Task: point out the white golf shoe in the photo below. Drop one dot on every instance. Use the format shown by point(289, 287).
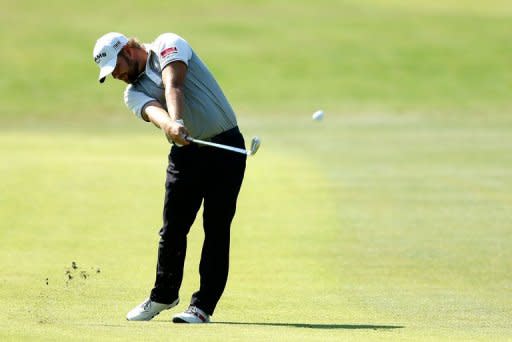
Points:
point(148, 309)
point(192, 315)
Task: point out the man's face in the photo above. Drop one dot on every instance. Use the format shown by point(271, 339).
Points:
point(127, 67)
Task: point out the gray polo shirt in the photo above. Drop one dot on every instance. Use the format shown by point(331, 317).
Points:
point(207, 112)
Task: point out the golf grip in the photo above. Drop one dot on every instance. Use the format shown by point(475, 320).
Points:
point(225, 147)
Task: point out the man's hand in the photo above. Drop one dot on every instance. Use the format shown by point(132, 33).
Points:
point(175, 132)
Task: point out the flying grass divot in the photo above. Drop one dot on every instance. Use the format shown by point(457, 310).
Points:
point(75, 272)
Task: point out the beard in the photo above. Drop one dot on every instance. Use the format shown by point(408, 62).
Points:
point(134, 73)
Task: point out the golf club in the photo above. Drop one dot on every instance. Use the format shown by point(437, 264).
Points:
point(255, 144)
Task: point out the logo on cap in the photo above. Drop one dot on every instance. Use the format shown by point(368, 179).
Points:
point(98, 57)
point(117, 44)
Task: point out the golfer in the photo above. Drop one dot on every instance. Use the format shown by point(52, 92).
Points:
point(169, 86)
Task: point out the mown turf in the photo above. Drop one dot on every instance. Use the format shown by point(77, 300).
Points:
point(390, 220)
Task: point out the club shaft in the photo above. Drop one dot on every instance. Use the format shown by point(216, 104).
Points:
point(225, 147)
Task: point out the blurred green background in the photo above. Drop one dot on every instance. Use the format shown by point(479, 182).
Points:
point(389, 220)
point(270, 56)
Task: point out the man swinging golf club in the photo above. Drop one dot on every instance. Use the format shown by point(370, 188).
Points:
point(171, 87)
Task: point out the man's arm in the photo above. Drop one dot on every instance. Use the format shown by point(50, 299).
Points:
point(174, 131)
point(173, 77)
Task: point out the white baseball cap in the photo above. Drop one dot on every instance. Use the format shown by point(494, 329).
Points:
point(105, 52)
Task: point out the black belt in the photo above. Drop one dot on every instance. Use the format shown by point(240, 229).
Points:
point(219, 138)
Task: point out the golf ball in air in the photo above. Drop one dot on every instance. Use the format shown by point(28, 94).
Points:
point(318, 115)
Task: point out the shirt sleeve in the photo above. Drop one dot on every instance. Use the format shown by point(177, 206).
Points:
point(170, 47)
point(136, 100)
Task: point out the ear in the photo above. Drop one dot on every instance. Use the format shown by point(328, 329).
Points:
point(127, 50)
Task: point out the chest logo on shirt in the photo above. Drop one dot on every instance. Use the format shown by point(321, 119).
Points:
point(168, 51)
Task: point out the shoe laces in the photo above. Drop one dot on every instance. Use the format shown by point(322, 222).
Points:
point(146, 305)
point(197, 312)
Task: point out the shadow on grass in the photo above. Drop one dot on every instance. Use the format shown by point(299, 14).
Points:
point(318, 326)
point(269, 324)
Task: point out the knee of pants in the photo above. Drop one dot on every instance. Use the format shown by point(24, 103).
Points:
point(219, 215)
point(169, 236)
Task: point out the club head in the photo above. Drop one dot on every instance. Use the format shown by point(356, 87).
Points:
point(255, 145)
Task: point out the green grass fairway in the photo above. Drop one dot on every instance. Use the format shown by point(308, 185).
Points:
point(388, 221)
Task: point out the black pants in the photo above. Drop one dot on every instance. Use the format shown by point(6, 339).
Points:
point(195, 174)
